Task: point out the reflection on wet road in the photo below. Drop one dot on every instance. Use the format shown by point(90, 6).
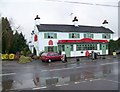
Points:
point(65, 76)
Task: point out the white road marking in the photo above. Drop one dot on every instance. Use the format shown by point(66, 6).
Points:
point(58, 85)
point(44, 70)
point(7, 74)
point(111, 80)
point(57, 69)
point(76, 82)
point(91, 80)
point(65, 84)
point(39, 88)
point(109, 63)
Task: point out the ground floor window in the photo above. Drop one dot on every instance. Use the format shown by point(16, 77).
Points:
point(62, 47)
point(86, 47)
point(101, 46)
point(50, 48)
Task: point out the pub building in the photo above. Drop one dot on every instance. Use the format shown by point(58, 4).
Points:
point(72, 40)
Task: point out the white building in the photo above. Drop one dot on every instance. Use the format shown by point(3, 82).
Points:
point(72, 40)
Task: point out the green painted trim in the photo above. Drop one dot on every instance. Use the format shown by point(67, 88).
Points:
point(85, 35)
point(45, 35)
point(55, 48)
point(70, 35)
point(46, 48)
point(55, 35)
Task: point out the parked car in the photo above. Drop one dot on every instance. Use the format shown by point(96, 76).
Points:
point(51, 56)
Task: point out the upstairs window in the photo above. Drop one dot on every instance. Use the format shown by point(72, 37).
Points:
point(74, 35)
point(88, 35)
point(50, 35)
point(106, 36)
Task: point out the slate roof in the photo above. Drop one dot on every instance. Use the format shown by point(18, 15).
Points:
point(72, 28)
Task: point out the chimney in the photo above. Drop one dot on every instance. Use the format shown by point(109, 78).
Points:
point(37, 20)
point(75, 21)
point(105, 23)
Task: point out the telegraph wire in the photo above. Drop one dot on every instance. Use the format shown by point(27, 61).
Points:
point(106, 5)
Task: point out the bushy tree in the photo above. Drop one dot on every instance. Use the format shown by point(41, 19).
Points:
point(114, 45)
point(7, 36)
point(12, 43)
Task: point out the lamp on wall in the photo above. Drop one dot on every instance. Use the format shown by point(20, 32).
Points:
point(32, 33)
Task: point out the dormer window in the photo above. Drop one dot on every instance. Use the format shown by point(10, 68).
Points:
point(50, 35)
point(88, 35)
point(74, 35)
point(106, 36)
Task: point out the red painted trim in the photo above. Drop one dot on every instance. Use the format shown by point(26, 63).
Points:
point(35, 38)
point(50, 42)
point(82, 40)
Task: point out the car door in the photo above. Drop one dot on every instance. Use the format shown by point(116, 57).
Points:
point(51, 56)
point(57, 57)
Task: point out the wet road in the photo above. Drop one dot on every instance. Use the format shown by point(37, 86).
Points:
point(100, 74)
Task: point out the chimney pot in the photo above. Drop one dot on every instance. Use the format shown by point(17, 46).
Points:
point(37, 20)
point(75, 21)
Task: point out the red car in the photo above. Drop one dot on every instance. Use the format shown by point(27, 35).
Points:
point(51, 56)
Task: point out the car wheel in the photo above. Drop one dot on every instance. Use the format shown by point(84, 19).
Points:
point(49, 60)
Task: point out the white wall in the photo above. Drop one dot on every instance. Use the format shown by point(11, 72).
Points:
point(97, 36)
point(65, 36)
point(78, 53)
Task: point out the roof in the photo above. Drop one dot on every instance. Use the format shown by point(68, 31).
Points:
point(72, 28)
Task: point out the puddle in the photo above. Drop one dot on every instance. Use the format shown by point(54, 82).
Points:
point(38, 81)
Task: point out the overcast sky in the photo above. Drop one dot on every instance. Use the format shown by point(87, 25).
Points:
point(23, 12)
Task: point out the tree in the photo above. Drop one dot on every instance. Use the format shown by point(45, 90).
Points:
point(0, 34)
point(19, 43)
point(114, 45)
point(7, 35)
point(118, 44)
point(12, 43)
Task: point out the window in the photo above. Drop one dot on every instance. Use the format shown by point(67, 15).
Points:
point(106, 46)
point(88, 35)
point(74, 35)
point(50, 35)
point(56, 54)
point(50, 48)
point(106, 36)
point(79, 47)
point(101, 46)
point(71, 47)
point(63, 47)
point(86, 47)
point(51, 54)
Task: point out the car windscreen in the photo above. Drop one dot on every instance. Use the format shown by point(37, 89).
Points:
point(44, 54)
point(50, 54)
